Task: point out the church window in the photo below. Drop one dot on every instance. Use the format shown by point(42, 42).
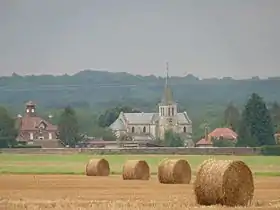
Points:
point(185, 129)
point(172, 111)
point(144, 129)
point(168, 111)
point(132, 129)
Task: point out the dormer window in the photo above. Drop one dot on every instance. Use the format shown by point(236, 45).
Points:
point(27, 110)
point(32, 110)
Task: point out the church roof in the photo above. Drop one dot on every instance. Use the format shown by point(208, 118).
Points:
point(139, 118)
point(118, 125)
point(183, 118)
point(144, 119)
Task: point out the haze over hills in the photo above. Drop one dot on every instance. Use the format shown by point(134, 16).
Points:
point(100, 90)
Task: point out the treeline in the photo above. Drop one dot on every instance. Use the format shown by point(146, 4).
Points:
point(256, 124)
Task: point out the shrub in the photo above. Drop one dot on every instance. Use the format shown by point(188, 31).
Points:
point(271, 150)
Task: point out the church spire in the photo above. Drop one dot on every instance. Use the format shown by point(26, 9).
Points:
point(166, 78)
point(167, 96)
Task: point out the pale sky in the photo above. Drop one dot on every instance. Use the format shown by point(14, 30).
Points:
point(208, 38)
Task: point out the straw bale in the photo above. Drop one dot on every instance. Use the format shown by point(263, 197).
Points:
point(98, 167)
point(174, 171)
point(225, 182)
point(136, 170)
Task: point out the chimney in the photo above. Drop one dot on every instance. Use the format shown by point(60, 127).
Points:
point(206, 132)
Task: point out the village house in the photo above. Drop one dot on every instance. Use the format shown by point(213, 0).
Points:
point(152, 126)
point(217, 134)
point(35, 130)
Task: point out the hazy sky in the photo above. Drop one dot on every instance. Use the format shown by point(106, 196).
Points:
point(208, 38)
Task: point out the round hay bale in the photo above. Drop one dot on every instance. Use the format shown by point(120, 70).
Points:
point(98, 167)
point(136, 170)
point(174, 171)
point(225, 182)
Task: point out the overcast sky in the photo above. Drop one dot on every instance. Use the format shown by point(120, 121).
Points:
point(208, 38)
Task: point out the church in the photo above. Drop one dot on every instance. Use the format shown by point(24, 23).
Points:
point(152, 126)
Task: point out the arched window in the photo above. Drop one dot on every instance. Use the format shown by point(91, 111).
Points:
point(185, 129)
point(144, 129)
point(172, 111)
point(168, 111)
point(132, 129)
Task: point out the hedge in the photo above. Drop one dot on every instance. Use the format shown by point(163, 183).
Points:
point(271, 150)
point(26, 146)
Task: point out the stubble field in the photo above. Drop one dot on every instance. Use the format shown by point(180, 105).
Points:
point(35, 187)
point(75, 192)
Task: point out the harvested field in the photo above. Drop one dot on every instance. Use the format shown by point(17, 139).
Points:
point(73, 192)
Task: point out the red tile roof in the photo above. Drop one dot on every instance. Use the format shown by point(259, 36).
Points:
point(226, 133)
point(203, 141)
point(29, 123)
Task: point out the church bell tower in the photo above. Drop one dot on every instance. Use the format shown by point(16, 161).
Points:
point(167, 108)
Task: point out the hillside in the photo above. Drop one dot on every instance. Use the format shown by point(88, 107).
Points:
point(100, 90)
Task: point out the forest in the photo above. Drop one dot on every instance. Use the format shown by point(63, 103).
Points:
point(93, 93)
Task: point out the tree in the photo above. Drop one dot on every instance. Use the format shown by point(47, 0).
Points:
point(105, 133)
point(8, 131)
point(172, 139)
point(256, 128)
point(68, 128)
point(125, 137)
point(275, 115)
point(221, 142)
point(110, 115)
point(231, 116)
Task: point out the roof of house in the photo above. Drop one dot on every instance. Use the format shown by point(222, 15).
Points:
point(33, 123)
point(226, 133)
point(30, 103)
point(203, 141)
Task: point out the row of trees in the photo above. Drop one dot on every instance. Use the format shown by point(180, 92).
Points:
point(255, 125)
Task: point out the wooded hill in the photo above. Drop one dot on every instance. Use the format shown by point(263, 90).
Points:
point(100, 90)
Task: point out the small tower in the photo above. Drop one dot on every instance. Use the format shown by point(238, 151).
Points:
point(30, 109)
